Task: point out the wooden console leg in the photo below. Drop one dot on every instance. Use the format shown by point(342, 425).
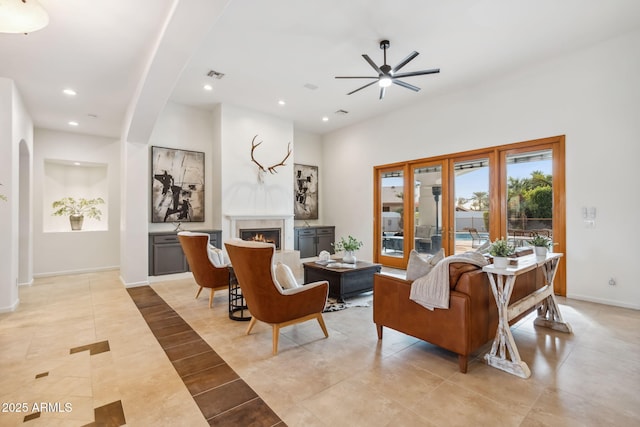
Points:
point(379, 328)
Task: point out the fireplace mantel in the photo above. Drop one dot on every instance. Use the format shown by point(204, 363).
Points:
point(249, 217)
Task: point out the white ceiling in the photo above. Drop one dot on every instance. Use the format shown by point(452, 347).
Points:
point(269, 50)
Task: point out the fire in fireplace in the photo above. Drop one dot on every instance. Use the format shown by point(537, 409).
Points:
point(269, 235)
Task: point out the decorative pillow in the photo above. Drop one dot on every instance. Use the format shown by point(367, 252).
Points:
point(216, 256)
point(419, 266)
point(285, 277)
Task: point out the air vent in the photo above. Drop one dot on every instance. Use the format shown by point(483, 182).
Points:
point(311, 86)
point(341, 112)
point(215, 74)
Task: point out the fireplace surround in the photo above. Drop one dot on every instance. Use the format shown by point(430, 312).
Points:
point(282, 222)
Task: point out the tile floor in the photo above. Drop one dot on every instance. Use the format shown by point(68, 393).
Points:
point(118, 371)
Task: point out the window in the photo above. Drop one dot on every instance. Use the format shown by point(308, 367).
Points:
point(458, 201)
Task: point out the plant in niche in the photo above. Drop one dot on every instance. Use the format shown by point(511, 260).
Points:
point(501, 248)
point(348, 245)
point(77, 209)
point(80, 207)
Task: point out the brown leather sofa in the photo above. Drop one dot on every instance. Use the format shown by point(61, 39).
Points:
point(472, 317)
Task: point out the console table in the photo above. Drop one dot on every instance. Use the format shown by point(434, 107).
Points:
point(312, 240)
point(504, 353)
point(342, 281)
point(166, 255)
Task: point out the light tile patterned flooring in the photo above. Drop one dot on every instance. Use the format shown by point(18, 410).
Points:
point(350, 379)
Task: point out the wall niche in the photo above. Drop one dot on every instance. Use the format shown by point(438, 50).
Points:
point(77, 179)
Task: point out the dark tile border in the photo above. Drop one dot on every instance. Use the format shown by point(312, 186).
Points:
point(222, 396)
point(95, 348)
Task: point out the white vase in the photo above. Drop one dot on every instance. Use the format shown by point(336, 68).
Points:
point(349, 257)
point(540, 251)
point(500, 262)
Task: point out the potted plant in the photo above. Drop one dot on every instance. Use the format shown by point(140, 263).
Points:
point(349, 246)
point(500, 249)
point(77, 209)
point(540, 244)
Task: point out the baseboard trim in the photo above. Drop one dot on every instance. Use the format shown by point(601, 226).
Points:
point(603, 301)
point(11, 308)
point(71, 272)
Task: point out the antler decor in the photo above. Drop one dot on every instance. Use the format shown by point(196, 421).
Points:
point(270, 169)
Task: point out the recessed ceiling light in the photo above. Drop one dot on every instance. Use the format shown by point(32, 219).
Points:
point(69, 92)
point(325, 119)
point(76, 163)
point(73, 123)
point(207, 87)
point(281, 102)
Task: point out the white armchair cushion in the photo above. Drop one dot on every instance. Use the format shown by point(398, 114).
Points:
point(304, 288)
point(216, 256)
point(284, 277)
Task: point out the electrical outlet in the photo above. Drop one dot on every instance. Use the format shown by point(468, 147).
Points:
point(612, 282)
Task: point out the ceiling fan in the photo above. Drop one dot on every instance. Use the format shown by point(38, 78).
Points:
point(387, 75)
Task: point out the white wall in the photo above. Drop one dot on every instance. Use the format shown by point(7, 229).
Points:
point(16, 128)
point(242, 193)
point(61, 252)
point(592, 96)
point(231, 178)
point(188, 128)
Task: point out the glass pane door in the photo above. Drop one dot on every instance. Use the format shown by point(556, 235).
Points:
point(427, 185)
point(471, 198)
point(529, 195)
point(392, 213)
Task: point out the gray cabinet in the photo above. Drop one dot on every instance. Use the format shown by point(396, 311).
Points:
point(310, 241)
point(165, 252)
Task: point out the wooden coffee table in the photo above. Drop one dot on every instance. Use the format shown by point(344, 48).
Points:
point(343, 282)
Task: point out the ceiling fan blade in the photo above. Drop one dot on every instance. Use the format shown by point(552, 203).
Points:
point(373, 64)
point(358, 77)
point(382, 90)
point(407, 85)
point(405, 61)
point(417, 73)
point(360, 88)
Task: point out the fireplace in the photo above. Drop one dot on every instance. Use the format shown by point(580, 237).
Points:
point(269, 235)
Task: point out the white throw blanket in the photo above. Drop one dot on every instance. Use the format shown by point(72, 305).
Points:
point(432, 289)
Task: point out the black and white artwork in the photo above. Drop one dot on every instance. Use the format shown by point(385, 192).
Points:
point(305, 187)
point(177, 185)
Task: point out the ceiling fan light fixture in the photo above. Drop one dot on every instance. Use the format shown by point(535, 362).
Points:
point(387, 75)
point(22, 16)
point(385, 81)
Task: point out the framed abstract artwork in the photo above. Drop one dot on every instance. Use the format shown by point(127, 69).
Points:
point(305, 189)
point(177, 185)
